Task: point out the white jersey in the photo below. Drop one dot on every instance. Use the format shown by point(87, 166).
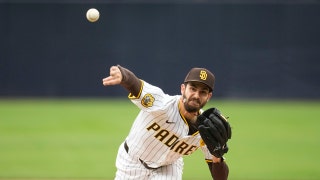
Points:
point(159, 135)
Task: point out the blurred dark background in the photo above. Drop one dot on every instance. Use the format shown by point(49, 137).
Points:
point(256, 49)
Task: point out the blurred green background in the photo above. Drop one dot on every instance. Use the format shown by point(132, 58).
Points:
point(79, 139)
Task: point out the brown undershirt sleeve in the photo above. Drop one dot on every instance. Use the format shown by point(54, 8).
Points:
point(130, 81)
point(219, 171)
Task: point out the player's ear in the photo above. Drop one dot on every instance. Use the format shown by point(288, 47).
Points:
point(209, 96)
point(182, 88)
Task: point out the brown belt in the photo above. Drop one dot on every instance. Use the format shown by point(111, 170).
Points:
point(126, 147)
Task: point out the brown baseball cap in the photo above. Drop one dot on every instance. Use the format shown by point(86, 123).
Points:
point(201, 75)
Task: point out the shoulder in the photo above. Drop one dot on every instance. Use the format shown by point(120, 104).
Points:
point(153, 98)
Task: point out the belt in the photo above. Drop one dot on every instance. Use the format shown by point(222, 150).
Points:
point(126, 147)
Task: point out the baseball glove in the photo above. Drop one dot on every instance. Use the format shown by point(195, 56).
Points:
point(215, 131)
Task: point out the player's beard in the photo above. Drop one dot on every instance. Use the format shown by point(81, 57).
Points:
point(190, 108)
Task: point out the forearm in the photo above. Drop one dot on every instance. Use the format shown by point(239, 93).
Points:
point(130, 81)
point(219, 171)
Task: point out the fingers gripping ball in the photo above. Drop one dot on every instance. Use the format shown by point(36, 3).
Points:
point(93, 15)
point(215, 131)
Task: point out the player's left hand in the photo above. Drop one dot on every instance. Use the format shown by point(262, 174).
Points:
point(215, 131)
point(114, 78)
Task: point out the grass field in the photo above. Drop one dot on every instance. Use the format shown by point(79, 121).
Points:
point(78, 139)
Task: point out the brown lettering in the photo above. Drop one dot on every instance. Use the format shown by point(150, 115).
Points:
point(162, 134)
point(171, 140)
point(154, 126)
point(181, 147)
point(190, 150)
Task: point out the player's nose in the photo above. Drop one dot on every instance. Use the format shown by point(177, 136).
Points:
point(196, 95)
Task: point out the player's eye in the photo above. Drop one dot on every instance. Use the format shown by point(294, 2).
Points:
point(204, 92)
point(193, 88)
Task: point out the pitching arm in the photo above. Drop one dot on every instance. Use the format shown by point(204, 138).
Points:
point(124, 77)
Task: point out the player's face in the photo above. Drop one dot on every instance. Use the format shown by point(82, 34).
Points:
point(195, 96)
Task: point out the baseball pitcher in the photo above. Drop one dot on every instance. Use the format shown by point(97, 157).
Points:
point(170, 127)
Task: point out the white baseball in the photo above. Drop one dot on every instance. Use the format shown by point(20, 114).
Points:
point(93, 15)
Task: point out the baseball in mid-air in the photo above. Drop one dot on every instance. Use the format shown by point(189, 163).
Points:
point(93, 15)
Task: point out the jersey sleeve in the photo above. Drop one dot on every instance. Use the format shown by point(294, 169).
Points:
point(150, 98)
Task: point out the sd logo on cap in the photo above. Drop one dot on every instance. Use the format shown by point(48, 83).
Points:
point(201, 75)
